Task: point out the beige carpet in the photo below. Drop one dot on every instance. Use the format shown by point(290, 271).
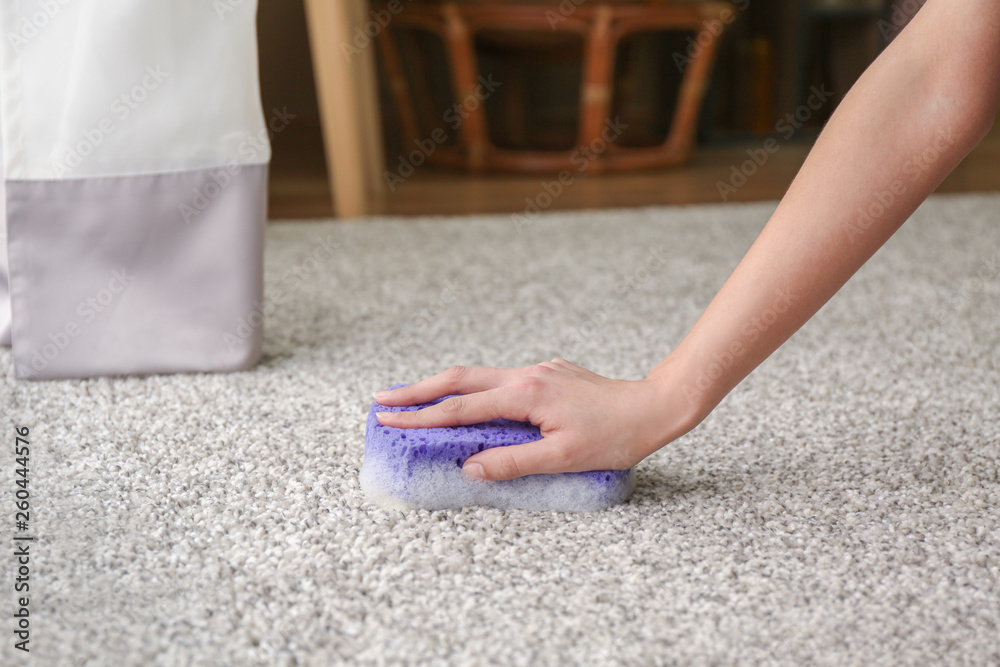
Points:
point(842, 507)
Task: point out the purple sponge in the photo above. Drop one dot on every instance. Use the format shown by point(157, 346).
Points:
point(422, 467)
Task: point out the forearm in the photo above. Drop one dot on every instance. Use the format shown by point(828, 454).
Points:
point(910, 119)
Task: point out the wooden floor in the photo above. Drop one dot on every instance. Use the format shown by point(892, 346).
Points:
point(298, 186)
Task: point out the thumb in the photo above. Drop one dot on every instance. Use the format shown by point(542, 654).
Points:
point(513, 461)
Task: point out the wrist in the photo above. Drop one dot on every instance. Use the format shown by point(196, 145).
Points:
point(677, 404)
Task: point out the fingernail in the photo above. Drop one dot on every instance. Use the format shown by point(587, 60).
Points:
point(474, 470)
point(379, 395)
point(382, 415)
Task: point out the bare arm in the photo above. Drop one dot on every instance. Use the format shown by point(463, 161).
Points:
point(906, 124)
point(911, 118)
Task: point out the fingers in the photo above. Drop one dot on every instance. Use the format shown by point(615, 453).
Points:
point(482, 406)
point(532, 458)
point(455, 380)
point(484, 394)
point(559, 363)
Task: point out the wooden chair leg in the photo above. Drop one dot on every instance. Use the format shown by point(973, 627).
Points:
point(693, 85)
point(348, 106)
point(462, 52)
point(398, 86)
point(371, 113)
point(598, 71)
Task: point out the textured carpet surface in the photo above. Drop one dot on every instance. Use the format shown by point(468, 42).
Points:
point(841, 507)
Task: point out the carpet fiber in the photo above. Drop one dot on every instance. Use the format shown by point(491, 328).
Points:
point(841, 507)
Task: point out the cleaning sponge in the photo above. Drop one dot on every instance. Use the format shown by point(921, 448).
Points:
point(422, 467)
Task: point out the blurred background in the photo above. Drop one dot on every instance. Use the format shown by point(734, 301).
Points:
point(497, 98)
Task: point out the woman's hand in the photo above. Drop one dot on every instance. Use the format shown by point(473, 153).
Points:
point(588, 422)
point(921, 95)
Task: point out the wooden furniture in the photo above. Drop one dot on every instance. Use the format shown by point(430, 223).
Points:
point(346, 87)
point(602, 25)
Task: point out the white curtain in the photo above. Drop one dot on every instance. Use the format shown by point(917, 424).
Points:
point(135, 156)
